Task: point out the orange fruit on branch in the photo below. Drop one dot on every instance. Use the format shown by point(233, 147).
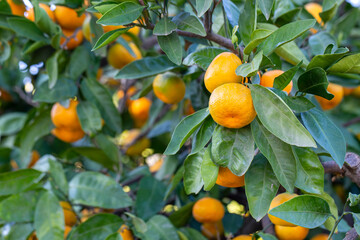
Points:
point(278, 200)
point(65, 117)
point(31, 16)
point(231, 105)
point(212, 230)
point(17, 7)
point(337, 91)
point(268, 78)
point(118, 56)
point(226, 178)
point(321, 236)
point(125, 233)
point(139, 109)
point(222, 70)
point(208, 209)
point(68, 18)
point(291, 233)
point(69, 214)
point(68, 135)
point(169, 88)
point(243, 237)
point(314, 9)
point(73, 38)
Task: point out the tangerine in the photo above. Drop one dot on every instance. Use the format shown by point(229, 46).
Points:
point(337, 91)
point(208, 209)
point(268, 78)
point(226, 178)
point(278, 200)
point(169, 88)
point(118, 56)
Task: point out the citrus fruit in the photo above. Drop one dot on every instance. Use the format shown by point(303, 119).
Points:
point(125, 232)
point(73, 41)
point(86, 29)
point(280, 199)
point(212, 230)
point(17, 7)
point(128, 136)
point(226, 178)
point(134, 30)
point(5, 95)
point(291, 233)
point(31, 16)
point(129, 93)
point(338, 93)
point(118, 56)
point(69, 215)
point(321, 236)
point(208, 209)
point(68, 18)
point(169, 88)
point(156, 166)
point(231, 105)
point(222, 70)
point(67, 134)
point(243, 237)
point(34, 158)
point(188, 108)
point(67, 231)
point(65, 117)
point(268, 78)
point(356, 92)
point(348, 91)
point(139, 109)
point(314, 9)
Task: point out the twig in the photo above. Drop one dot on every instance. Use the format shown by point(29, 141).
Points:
point(268, 227)
point(67, 39)
point(25, 97)
point(352, 121)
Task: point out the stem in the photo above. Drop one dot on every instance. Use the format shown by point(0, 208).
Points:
point(338, 220)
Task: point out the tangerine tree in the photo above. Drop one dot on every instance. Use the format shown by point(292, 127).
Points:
point(191, 120)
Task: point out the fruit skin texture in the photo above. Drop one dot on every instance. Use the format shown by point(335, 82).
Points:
point(321, 236)
point(208, 210)
point(74, 41)
point(348, 91)
point(136, 149)
point(67, 231)
point(69, 215)
point(231, 105)
point(222, 70)
point(118, 56)
point(314, 9)
point(242, 237)
point(169, 88)
point(226, 178)
point(212, 230)
point(68, 18)
point(68, 135)
point(291, 233)
point(125, 233)
point(65, 117)
point(16, 9)
point(139, 109)
point(31, 15)
point(338, 92)
point(279, 199)
point(268, 78)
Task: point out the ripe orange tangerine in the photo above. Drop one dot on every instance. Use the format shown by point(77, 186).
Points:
point(169, 88)
point(268, 78)
point(208, 209)
point(118, 56)
point(278, 200)
point(73, 41)
point(226, 178)
point(291, 233)
point(68, 18)
point(337, 91)
point(16, 8)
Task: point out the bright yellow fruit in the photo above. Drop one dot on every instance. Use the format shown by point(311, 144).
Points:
point(291, 233)
point(68, 18)
point(337, 91)
point(226, 178)
point(169, 88)
point(268, 78)
point(118, 56)
point(278, 200)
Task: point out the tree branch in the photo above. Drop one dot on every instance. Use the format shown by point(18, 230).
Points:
point(352, 121)
point(25, 97)
point(350, 169)
point(351, 235)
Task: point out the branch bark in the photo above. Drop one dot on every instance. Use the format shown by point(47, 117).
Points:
point(351, 235)
point(351, 168)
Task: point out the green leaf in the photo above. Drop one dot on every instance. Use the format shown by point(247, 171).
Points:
point(184, 130)
point(193, 181)
point(49, 218)
point(309, 171)
point(278, 153)
point(124, 13)
point(97, 190)
point(250, 69)
point(58, 178)
point(357, 222)
point(164, 27)
point(285, 34)
point(43, 21)
point(326, 133)
point(261, 186)
point(278, 118)
point(11, 123)
point(247, 21)
point(52, 68)
point(108, 146)
point(64, 89)
point(329, 9)
point(18, 181)
point(330, 222)
point(284, 79)
point(146, 67)
point(314, 81)
point(172, 47)
point(305, 211)
point(266, 7)
point(297, 104)
point(160, 228)
point(182, 216)
point(149, 199)
point(89, 117)
point(203, 135)
point(96, 155)
point(27, 28)
point(189, 23)
point(192, 234)
point(15, 209)
point(354, 199)
point(209, 171)
point(114, 236)
point(97, 227)
point(20, 231)
point(291, 53)
point(5, 52)
point(108, 37)
point(326, 60)
point(138, 223)
point(96, 93)
point(175, 181)
point(203, 57)
point(79, 61)
point(257, 37)
point(349, 64)
point(320, 41)
point(202, 6)
point(233, 148)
